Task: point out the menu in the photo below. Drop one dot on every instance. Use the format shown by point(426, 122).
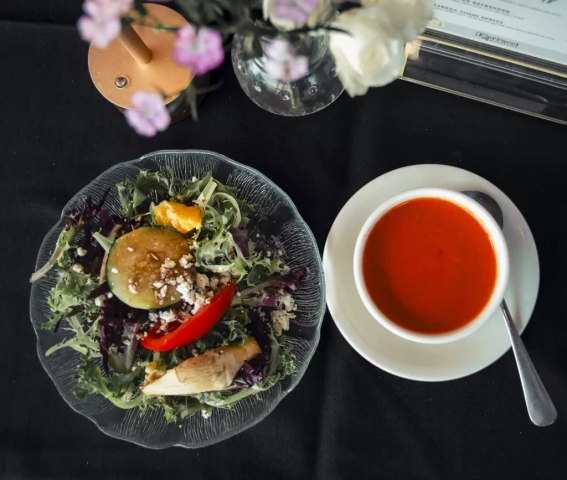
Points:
point(532, 27)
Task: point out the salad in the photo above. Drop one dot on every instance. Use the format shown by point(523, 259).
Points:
point(171, 304)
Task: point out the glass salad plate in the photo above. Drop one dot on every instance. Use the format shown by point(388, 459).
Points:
point(279, 222)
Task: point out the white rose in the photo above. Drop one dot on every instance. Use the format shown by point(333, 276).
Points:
point(370, 53)
point(409, 16)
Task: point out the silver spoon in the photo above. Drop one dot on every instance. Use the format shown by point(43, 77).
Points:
point(540, 407)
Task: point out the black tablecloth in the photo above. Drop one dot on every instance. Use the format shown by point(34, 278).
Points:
point(346, 419)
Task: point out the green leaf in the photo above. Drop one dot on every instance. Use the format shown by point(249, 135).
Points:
point(125, 195)
point(148, 186)
point(90, 381)
point(103, 241)
point(63, 244)
point(83, 341)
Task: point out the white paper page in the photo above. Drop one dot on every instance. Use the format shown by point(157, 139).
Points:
point(532, 27)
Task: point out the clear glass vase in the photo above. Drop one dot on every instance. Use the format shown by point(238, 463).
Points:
point(312, 93)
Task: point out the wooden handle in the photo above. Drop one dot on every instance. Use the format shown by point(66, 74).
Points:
point(135, 45)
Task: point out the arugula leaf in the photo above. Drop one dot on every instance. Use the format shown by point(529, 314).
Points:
point(120, 392)
point(148, 186)
point(71, 296)
point(83, 341)
point(281, 358)
point(125, 191)
point(63, 244)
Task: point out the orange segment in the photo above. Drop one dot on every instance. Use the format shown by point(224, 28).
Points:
point(178, 216)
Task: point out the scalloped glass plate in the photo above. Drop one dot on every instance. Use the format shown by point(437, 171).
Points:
point(278, 220)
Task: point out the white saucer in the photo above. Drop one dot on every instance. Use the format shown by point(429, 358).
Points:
point(403, 357)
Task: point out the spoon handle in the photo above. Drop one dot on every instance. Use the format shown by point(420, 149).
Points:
point(540, 407)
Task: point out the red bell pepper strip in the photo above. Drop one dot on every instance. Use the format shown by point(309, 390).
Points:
point(194, 328)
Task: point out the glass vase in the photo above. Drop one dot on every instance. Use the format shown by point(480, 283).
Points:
point(318, 89)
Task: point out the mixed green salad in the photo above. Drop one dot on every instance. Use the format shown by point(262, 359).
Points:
point(171, 304)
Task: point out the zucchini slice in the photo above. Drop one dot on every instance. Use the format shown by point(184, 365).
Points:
point(134, 264)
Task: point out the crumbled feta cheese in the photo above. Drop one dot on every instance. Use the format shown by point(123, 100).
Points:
point(130, 249)
point(288, 302)
point(114, 270)
point(185, 288)
point(200, 300)
point(163, 291)
point(280, 253)
point(77, 267)
point(168, 263)
point(185, 260)
point(81, 252)
point(98, 300)
point(286, 269)
point(168, 316)
point(132, 288)
point(153, 317)
point(280, 320)
point(171, 281)
point(158, 285)
point(268, 254)
point(179, 279)
point(201, 281)
point(194, 179)
point(154, 256)
point(238, 294)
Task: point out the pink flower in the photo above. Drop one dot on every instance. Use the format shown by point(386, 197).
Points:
point(296, 11)
point(282, 64)
point(150, 115)
point(114, 7)
point(199, 51)
point(101, 24)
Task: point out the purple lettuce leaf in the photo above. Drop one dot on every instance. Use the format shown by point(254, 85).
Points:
point(270, 292)
point(76, 221)
point(254, 371)
point(240, 236)
point(246, 377)
point(118, 328)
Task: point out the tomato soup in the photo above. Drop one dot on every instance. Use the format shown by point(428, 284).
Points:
point(429, 266)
